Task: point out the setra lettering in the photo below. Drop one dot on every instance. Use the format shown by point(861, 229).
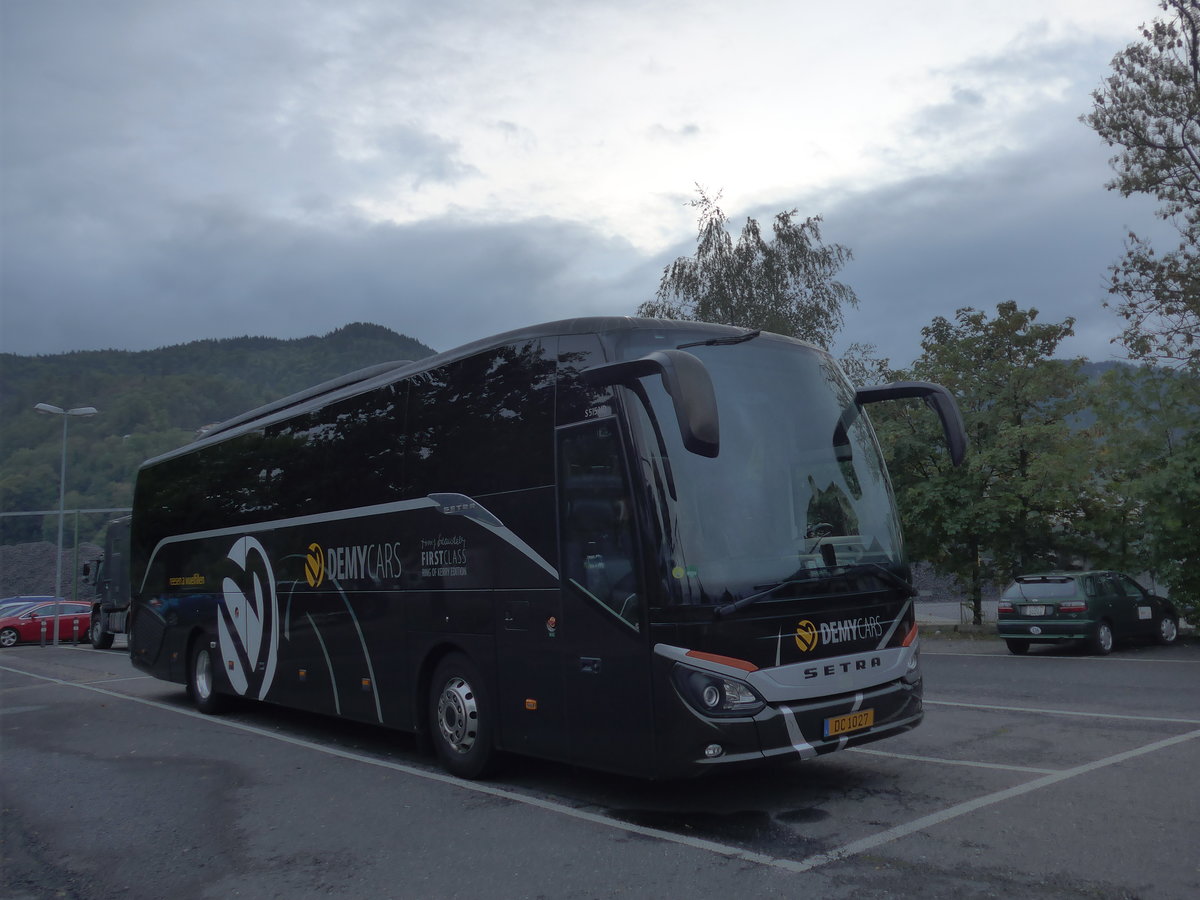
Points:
point(843, 667)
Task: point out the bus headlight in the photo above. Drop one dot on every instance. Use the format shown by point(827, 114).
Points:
point(913, 674)
point(714, 695)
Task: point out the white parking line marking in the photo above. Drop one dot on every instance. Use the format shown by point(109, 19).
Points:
point(790, 865)
point(1064, 712)
point(961, 809)
point(954, 762)
point(13, 710)
point(548, 805)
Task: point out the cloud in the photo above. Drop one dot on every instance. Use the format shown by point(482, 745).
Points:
point(174, 171)
point(1036, 228)
point(219, 270)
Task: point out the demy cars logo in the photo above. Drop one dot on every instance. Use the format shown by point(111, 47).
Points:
point(851, 630)
point(314, 565)
point(806, 635)
point(373, 562)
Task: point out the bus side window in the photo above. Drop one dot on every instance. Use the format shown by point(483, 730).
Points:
point(577, 401)
point(597, 531)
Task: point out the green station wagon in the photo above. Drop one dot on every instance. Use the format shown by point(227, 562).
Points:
point(1096, 608)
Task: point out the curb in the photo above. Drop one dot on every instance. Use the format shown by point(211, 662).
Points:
point(931, 628)
point(1188, 634)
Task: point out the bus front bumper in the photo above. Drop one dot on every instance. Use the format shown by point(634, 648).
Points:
point(802, 730)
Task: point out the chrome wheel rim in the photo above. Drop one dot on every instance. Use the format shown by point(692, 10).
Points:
point(203, 677)
point(458, 715)
point(1104, 637)
point(1167, 629)
point(8, 638)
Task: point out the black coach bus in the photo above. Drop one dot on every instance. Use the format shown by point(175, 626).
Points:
point(656, 548)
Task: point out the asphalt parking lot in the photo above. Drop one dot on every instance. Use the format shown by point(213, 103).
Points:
point(1052, 775)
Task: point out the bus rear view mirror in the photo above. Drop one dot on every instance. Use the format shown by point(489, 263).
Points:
point(936, 398)
point(689, 385)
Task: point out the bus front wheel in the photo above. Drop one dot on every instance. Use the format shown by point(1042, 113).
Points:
point(460, 716)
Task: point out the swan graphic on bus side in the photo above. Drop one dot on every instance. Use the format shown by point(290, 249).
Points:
point(247, 624)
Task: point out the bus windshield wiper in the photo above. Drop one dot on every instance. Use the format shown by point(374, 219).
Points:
point(883, 574)
point(743, 602)
point(723, 342)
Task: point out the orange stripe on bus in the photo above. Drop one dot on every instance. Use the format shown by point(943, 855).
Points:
point(724, 660)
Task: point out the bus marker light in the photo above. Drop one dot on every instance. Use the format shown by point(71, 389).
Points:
point(304, 674)
point(531, 704)
point(366, 684)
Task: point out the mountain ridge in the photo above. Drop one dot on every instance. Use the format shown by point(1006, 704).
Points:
point(149, 402)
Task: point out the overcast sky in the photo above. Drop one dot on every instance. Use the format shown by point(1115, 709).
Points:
point(183, 170)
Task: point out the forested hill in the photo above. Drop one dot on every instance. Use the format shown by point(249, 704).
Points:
point(150, 401)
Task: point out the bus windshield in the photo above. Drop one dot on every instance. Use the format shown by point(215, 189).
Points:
point(798, 497)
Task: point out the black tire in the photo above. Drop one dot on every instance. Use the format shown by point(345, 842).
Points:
point(9, 637)
point(1167, 630)
point(1017, 646)
point(1102, 640)
point(203, 676)
point(461, 718)
point(100, 636)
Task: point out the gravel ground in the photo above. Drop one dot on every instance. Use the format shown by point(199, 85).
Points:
point(28, 570)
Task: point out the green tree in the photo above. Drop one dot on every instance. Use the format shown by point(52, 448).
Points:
point(1010, 507)
point(1142, 506)
point(150, 402)
point(784, 284)
point(29, 484)
point(1150, 108)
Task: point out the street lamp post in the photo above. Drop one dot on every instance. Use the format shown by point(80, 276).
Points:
point(80, 412)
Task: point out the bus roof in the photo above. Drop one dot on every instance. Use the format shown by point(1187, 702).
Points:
point(362, 380)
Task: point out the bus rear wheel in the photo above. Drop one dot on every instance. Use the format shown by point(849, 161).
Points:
point(460, 717)
point(203, 671)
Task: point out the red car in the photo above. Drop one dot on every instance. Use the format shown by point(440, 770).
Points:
point(19, 624)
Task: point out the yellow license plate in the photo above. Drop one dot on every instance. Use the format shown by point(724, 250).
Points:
point(855, 721)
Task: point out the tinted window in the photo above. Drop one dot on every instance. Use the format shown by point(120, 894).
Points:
point(346, 455)
point(597, 527)
point(484, 424)
point(798, 485)
point(1041, 589)
point(481, 425)
point(577, 400)
point(1129, 587)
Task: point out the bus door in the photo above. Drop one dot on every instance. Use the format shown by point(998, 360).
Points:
point(602, 638)
point(529, 680)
